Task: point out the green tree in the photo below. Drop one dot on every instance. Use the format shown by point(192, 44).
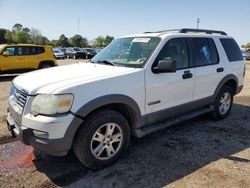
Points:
point(63, 41)
point(41, 40)
point(78, 41)
point(101, 42)
point(34, 35)
point(2, 36)
point(53, 43)
point(248, 45)
point(26, 30)
point(17, 27)
point(20, 37)
point(8, 37)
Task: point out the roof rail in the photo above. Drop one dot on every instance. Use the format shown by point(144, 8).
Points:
point(187, 30)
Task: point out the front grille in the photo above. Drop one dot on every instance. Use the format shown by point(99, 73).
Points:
point(20, 97)
point(17, 100)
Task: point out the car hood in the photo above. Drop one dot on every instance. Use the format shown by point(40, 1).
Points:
point(53, 78)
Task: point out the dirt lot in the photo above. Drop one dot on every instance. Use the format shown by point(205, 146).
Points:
point(197, 153)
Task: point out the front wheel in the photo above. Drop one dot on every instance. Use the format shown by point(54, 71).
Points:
point(223, 103)
point(102, 139)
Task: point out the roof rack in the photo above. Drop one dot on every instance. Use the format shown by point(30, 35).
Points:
point(189, 30)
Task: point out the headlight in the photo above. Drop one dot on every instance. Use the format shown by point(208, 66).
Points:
point(51, 104)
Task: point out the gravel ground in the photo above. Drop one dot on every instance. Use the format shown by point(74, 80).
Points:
point(197, 153)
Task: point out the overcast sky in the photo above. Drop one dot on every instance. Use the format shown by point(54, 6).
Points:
point(118, 18)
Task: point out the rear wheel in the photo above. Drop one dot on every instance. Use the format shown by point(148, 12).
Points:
point(223, 103)
point(102, 139)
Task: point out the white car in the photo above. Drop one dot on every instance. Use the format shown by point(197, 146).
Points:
point(137, 85)
point(58, 54)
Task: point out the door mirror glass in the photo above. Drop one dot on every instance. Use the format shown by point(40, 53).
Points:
point(165, 66)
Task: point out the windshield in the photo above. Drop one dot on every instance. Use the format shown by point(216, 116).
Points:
point(128, 52)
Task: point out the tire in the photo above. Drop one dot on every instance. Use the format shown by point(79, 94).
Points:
point(45, 65)
point(223, 103)
point(92, 145)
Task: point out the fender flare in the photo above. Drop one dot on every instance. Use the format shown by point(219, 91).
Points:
point(109, 100)
point(223, 81)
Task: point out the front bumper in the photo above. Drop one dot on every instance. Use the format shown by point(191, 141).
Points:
point(52, 146)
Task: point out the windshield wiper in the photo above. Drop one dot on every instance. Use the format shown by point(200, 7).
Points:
point(106, 62)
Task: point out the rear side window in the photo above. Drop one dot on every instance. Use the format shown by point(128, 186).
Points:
point(31, 50)
point(204, 52)
point(232, 49)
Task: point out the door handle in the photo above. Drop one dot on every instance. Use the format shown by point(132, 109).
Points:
point(221, 69)
point(187, 74)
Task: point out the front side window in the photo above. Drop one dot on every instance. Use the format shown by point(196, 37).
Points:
point(10, 50)
point(204, 52)
point(128, 52)
point(175, 50)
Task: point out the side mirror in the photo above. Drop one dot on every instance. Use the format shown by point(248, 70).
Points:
point(6, 54)
point(165, 66)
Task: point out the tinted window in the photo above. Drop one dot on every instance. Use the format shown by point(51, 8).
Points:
point(204, 52)
point(232, 49)
point(32, 50)
point(11, 50)
point(175, 49)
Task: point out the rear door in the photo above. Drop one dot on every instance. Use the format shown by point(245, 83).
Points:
point(31, 54)
point(208, 68)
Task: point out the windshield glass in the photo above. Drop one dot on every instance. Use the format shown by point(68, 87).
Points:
point(128, 52)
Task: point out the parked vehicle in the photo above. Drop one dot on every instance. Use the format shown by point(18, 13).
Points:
point(89, 52)
point(135, 86)
point(16, 58)
point(98, 50)
point(246, 55)
point(63, 50)
point(58, 54)
point(75, 53)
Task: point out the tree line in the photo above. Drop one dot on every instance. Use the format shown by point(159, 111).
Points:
point(246, 45)
point(25, 35)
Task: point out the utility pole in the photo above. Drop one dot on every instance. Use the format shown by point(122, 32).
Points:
point(78, 23)
point(198, 22)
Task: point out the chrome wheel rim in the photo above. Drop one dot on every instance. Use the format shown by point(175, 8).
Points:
point(225, 102)
point(106, 141)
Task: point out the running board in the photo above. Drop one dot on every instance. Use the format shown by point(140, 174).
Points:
point(158, 126)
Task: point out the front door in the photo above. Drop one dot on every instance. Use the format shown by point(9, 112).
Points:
point(164, 91)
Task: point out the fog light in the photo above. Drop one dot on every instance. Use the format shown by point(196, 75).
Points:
point(40, 134)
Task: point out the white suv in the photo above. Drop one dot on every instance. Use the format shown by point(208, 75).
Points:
point(136, 85)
